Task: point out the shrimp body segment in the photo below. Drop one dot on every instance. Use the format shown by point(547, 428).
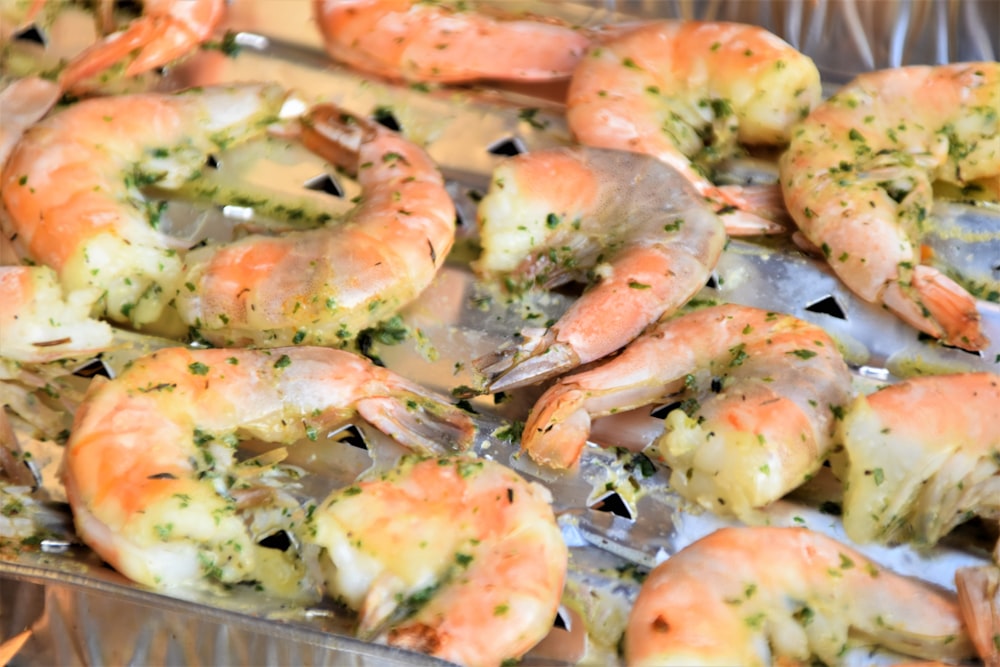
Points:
point(430, 42)
point(758, 596)
point(630, 225)
point(916, 479)
point(323, 286)
point(72, 187)
point(456, 557)
point(858, 175)
point(166, 31)
point(38, 323)
point(689, 92)
point(151, 471)
point(758, 394)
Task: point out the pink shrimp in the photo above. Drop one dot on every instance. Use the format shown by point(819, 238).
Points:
point(764, 596)
point(151, 471)
point(858, 174)
point(760, 393)
point(628, 224)
point(456, 557)
point(166, 31)
point(690, 92)
point(419, 41)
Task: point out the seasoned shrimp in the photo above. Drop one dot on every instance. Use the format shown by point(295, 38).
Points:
point(166, 31)
point(758, 596)
point(72, 189)
point(150, 468)
point(858, 175)
point(626, 222)
point(456, 557)
point(760, 391)
point(979, 599)
point(255, 290)
point(689, 93)
point(39, 324)
point(420, 41)
point(916, 479)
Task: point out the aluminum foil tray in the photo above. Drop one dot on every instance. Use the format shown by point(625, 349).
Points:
point(60, 605)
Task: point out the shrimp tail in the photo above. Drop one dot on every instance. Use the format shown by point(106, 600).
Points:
point(535, 356)
point(424, 425)
point(979, 600)
point(751, 210)
point(937, 305)
point(335, 135)
point(556, 434)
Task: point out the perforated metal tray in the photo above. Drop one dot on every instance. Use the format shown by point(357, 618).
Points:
point(78, 611)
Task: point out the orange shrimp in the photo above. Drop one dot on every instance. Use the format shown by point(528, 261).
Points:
point(857, 178)
point(689, 93)
point(765, 596)
point(72, 188)
point(760, 391)
point(150, 467)
point(628, 224)
point(419, 41)
point(456, 557)
point(166, 31)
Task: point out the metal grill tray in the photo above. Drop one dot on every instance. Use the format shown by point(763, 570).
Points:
point(82, 612)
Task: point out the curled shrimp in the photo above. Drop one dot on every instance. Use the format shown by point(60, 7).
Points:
point(456, 557)
point(150, 467)
point(758, 391)
point(40, 324)
point(419, 41)
point(917, 479)
point(629, 224)
point(689, 93)
point(361, 272)
point(858, 174)
point(166, 31)
point(72, 187)
point(758, 596)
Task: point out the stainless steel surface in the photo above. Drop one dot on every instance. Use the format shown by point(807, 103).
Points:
point(81, 612)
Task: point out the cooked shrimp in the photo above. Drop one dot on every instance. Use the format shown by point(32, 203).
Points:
point(166, 31)
point(916, 479)
point(626, 222)
point(758, 596)
point(419, 41)
point(858, 176)
point(456, 557)
point(255, 290)
point(689, 93)
point(760, 391)
point(150, 467)
point(72, 189)
point(40, 324)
